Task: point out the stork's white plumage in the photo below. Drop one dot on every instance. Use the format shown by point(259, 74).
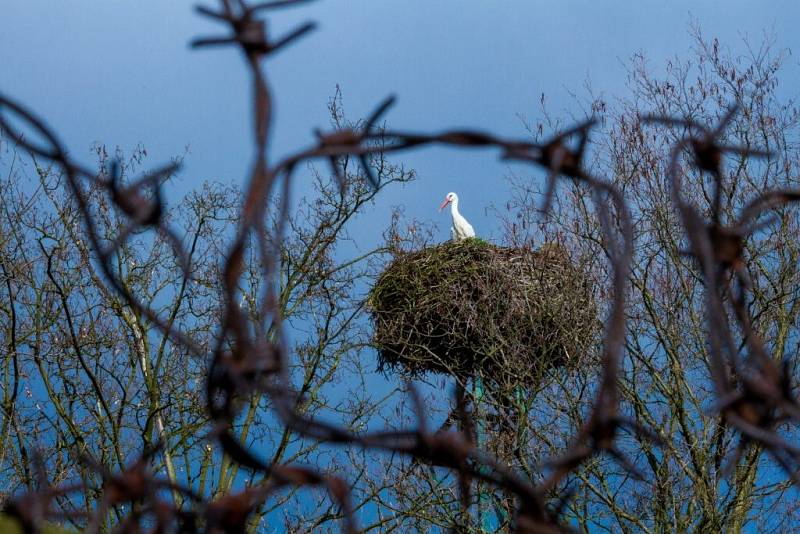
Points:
point(461, 228)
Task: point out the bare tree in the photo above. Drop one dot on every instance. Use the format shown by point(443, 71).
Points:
point(88, 376)
point(704, 478)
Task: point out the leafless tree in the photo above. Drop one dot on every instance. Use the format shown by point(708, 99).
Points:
point(705, 477)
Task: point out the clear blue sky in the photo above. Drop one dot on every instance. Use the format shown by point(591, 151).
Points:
point(122, 73)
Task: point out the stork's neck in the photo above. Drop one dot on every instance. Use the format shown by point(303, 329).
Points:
point(454, 208)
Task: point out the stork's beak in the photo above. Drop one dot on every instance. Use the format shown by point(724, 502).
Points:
point(445, 203)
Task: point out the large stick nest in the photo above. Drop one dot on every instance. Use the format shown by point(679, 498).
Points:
point(472, 308)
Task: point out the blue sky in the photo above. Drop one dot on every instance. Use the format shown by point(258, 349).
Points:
point(122, 73)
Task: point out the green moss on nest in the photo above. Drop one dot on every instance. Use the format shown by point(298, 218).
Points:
point(472, 307)
point(9, 525)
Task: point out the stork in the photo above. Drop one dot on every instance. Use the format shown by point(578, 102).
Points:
point(461, 228)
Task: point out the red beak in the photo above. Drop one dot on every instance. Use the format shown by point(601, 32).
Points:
point(445, 203)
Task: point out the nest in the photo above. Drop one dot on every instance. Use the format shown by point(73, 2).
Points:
point(471, 308)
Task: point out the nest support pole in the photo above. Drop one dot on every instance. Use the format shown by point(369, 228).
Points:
point(501, 318)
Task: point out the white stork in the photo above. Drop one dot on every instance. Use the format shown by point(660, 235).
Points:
point(461, 228)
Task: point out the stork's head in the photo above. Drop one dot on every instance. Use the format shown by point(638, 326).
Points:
point(451, 197)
